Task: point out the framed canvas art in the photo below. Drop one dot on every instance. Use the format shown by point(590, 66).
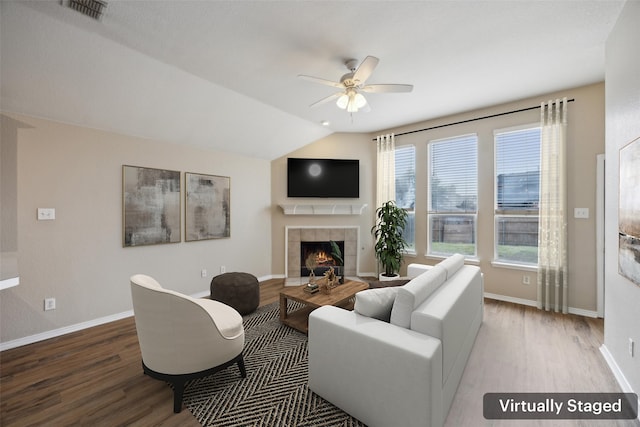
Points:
point(151, 206)
point(207, 207)
point(629, 212)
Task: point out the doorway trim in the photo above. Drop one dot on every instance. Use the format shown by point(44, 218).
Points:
point(600, 199)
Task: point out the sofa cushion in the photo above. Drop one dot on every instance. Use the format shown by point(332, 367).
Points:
point(414, 270)
point(452, 264)
point(414, 293)
point(376, 303)
point(387, 283)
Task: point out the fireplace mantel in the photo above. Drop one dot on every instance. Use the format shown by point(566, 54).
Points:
point(323, 209)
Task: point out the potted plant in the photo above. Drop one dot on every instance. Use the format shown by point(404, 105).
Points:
point(390, 245)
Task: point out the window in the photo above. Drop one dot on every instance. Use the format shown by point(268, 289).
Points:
point(405, 165)
point(453, 195)
point(517, 190)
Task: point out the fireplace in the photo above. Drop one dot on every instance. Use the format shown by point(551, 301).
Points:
point(318, 240)
point(319, 255)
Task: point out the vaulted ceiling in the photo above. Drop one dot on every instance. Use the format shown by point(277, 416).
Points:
point(223, 74)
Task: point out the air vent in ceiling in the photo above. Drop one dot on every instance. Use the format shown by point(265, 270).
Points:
point(92, 8)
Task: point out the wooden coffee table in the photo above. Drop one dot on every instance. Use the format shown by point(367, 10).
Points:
point(340, 296)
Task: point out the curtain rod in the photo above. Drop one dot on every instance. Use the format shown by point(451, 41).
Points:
point(469, 120)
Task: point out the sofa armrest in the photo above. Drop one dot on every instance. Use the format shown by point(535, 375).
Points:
point(453, 314)
point(379, 373)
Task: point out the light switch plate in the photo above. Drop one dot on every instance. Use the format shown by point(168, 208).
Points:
point(582, 213)
point(45, 214)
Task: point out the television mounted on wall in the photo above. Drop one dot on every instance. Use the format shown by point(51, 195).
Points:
point(327, 178)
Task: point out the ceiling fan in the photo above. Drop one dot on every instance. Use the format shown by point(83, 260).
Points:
point(353, 83)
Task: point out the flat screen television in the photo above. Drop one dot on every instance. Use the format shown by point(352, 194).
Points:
point(329, 178)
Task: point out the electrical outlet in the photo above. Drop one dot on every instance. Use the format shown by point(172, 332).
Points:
point(582, 213)
point(46, 214)
point(631, 347)
point(223, 269)
point(526, 279)
point(49, 304)
point(203, 272)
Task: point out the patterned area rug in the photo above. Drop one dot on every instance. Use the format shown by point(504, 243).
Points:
point(275, 392)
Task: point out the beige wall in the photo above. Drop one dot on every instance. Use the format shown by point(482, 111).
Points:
point(585, 140)
point(622, 297)
point(341, 146)
point(79, 258)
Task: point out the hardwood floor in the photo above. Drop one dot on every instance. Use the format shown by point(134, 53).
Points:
point(523, 349)
point(91, 377)
point(94, 377)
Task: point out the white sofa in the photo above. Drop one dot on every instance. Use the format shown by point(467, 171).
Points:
point(397, 359)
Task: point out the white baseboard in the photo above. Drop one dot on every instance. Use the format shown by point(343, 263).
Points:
point(282, 276)
point(201, 294)
point(617, 373)
point(63, 331)
point(297, 281)
point(95, 322)
point(91, 323)
point(367, 274)
point(514, 300)
point(7, 345)
point(207, 293)
point(583, 312)
point(532, 303)
point(270, 276)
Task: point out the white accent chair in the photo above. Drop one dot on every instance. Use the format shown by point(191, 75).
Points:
point(183, 338)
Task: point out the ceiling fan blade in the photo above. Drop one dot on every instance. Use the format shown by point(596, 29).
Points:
point(327, 99)
point(365, 69)
point(386, 88)
point(321, 81)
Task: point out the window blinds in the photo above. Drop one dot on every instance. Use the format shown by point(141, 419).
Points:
point(453, 175)
point(405, 157)
point(517, 170)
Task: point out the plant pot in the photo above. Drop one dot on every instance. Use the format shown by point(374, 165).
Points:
point(387, 231)
point(383, 278)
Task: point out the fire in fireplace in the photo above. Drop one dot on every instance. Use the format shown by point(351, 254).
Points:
point(320, 255)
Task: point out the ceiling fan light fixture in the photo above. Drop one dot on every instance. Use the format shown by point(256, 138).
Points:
point(343, 101)
point(355, 101)
point(352, 83)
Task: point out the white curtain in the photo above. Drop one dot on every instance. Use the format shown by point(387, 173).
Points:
point(552, 228)
point(386, 184)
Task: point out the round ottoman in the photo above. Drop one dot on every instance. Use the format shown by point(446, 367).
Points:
point(238, 290)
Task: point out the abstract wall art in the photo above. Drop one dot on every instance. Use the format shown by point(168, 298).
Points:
point(151, 206)
point(207, 207)
point(629, 212)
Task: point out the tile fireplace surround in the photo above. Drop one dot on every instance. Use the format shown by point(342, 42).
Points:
point(295, 235)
